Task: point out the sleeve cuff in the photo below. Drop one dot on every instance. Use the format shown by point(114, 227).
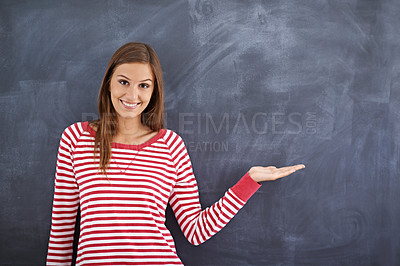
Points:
point(245, 187)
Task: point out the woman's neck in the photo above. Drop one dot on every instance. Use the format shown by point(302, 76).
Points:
point(131, 127)
point(132, 132)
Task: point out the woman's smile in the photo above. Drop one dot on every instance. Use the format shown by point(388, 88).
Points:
point(129, 106)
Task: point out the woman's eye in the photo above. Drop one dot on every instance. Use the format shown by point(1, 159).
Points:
point(123, 82)
point(144, 85)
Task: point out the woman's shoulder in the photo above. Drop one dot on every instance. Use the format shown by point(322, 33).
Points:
point(172, 137)
point(73, 132)
point(92, 125)
point(84, 126)
point(169, 132)
point(77, 127)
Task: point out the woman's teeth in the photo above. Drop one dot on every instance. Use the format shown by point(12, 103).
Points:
point(129, 105)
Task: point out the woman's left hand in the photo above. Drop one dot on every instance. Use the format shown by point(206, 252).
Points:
point(269, 173)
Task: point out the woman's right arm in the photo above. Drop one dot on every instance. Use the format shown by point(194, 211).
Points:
point(65, 205)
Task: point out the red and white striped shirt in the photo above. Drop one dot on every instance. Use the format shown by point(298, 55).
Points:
point(122, 222)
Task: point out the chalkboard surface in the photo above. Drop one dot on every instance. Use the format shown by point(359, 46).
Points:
point(246, 83)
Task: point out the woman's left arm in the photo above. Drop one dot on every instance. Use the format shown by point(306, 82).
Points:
point(199, 225)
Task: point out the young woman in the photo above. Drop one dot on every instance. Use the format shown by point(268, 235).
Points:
point(124, 168)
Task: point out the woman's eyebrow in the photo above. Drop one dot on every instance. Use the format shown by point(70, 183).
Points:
point(123, 77)
point(139, 81)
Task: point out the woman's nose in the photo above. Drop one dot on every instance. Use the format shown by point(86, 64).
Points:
point(133, 92)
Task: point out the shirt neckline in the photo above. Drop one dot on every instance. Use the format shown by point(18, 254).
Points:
point(159, 135)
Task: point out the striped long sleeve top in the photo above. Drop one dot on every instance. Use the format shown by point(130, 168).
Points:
point(123, 219)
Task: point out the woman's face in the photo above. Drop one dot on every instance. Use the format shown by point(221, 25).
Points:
point(131, 87)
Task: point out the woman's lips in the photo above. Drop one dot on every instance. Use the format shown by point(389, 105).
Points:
point(129, 106)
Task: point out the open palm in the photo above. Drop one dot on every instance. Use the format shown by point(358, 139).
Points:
point(269, 173)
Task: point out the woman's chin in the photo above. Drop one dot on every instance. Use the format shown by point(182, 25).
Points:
point(124, 115)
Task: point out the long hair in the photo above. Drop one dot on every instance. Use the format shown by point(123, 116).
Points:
point(152, 116)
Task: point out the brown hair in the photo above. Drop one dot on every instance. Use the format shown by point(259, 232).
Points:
point(152, 116)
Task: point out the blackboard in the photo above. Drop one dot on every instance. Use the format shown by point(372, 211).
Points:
point(246, 83)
